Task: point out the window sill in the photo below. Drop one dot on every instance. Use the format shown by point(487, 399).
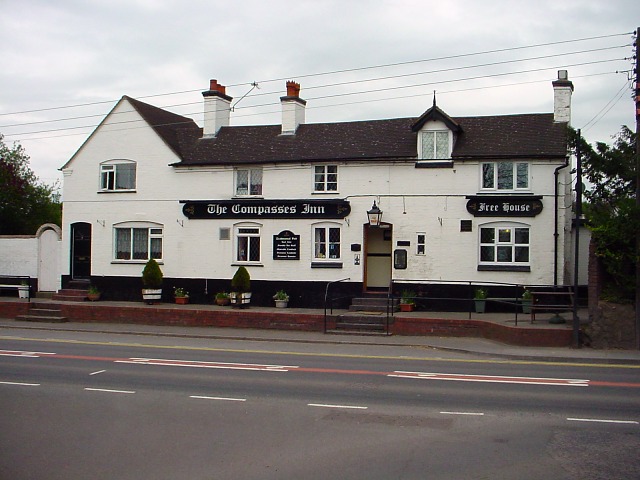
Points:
point(504, 268)
point(118, 191)
point(428, 163)
point(133, 262)
point(326, 264)
point(247, 264)
point(325, 192)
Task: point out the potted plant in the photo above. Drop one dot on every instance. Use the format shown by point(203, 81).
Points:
point(222, 299)
point(93, 294)
point(152, 281)
point(480, 298)
point(241, 288)
point(23, 289)
point(527, 299)
point(181, 295)
point(407, 302)
point(281, 298)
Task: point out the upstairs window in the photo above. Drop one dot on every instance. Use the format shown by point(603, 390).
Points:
point(117, 176)
point(249, 182)
point(505, 176)
point(325, 178)
point(436, 145)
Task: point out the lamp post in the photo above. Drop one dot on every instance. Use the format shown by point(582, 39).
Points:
point(375, 215)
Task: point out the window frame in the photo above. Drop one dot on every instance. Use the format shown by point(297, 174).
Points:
point(515, 179)
point(434, 155)
point(109, 177)
point(327, 227)
point(251, 172)
point(325, 183)
point(154, 239)
point(252, 238)
point(421, 246)
point(499, 243)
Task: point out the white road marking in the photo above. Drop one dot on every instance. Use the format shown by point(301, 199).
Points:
point(479, 414)
point(599, 420)
point(567, 382)
point(21, 384)
point(96, 373)
point(20, 353)
point(324, 405)
point(108, 390)
point(218, 398)
point(196, 364)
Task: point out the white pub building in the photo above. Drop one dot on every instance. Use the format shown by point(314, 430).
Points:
point(422, 202)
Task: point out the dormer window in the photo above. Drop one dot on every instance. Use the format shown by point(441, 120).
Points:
point(436, 145)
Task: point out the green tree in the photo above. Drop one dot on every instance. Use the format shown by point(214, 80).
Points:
point(611, 211)
point(25, 202)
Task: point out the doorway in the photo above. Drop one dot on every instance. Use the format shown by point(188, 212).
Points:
point(80, 251)
point(377, 257)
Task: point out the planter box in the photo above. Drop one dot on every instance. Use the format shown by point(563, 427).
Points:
point(182, 300)
point(281, 303)
point(240, 299)
point(407, 307)
point(151, 295)
point(23, 291)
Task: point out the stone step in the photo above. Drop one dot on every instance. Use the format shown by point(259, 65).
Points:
point(42, 318)
point(71, 295)
point(372, 304)
point(351, 322)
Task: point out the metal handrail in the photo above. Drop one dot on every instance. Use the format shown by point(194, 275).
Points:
point(326, 296)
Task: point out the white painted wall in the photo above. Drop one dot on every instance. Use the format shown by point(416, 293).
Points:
point(413, 200)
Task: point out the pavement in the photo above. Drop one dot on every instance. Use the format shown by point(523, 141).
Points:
point(473, 346)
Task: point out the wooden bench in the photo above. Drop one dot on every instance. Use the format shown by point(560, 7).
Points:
point(551, 301)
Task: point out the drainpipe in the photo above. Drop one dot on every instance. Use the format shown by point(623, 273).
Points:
point(556, 172)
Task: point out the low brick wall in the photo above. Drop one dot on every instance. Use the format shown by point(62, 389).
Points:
point(89, 312)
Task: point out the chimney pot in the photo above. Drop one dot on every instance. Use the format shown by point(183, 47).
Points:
point(216, 108)
point(293, 89)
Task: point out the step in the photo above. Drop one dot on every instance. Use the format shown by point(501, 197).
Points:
point(70, 295)
point(42, 318)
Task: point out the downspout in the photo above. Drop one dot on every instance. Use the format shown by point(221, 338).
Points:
point(556, 234)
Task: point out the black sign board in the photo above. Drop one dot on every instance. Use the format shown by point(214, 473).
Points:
point(286, 246)
point(257, 209)
point(504, 206)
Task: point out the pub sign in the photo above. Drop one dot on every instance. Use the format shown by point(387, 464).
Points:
point(257, 209)
point(504, 206)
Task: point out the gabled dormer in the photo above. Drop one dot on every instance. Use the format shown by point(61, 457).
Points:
point(436, 136)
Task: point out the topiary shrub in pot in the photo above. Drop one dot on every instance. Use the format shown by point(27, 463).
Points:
point(152, 282)
point(241, 288)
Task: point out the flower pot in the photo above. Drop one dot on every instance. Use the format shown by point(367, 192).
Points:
point(223, 302)
point(182, 300)
point(23, 291)
point(406, 307)
point(93, 297)
point(281, 303)
point(526, 306)
point(480, 305)
point(151, 295)
point(240, 299)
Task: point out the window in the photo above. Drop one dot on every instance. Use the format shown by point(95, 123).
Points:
point(118, 176)
point(138, 243)
point(504, 245)
point(435, 145)
point(247, 244)
point(421, 244)
point(249, 182)
point(325, 178)
point(326, 243)
point(505, 175)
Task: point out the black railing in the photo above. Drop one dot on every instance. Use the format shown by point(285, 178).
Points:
point(328, 300)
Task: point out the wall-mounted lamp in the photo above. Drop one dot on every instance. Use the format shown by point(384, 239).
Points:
point(375, 215)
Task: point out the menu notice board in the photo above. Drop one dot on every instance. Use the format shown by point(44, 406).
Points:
point(286, 246)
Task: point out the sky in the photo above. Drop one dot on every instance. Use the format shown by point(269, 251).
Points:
point(65, 63)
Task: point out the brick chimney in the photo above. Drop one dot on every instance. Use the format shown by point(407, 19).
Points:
point(562, 90)
point(217, 108)
point(293, 108)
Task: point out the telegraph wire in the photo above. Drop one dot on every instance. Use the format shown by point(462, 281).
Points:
point(334, 72)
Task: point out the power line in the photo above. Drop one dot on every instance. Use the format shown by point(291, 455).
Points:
point(349, 70)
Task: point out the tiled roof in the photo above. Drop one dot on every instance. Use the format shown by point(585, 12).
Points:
point(165, 123)
point(501, 136)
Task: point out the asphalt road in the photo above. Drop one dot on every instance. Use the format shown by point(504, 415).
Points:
point(76, 406)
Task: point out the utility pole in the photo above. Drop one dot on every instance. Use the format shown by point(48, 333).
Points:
point(578, 220)
point(637, 101)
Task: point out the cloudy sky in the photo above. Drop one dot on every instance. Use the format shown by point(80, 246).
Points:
point(66, 62)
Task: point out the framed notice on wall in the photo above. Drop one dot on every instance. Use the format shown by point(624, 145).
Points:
point(286, 246)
